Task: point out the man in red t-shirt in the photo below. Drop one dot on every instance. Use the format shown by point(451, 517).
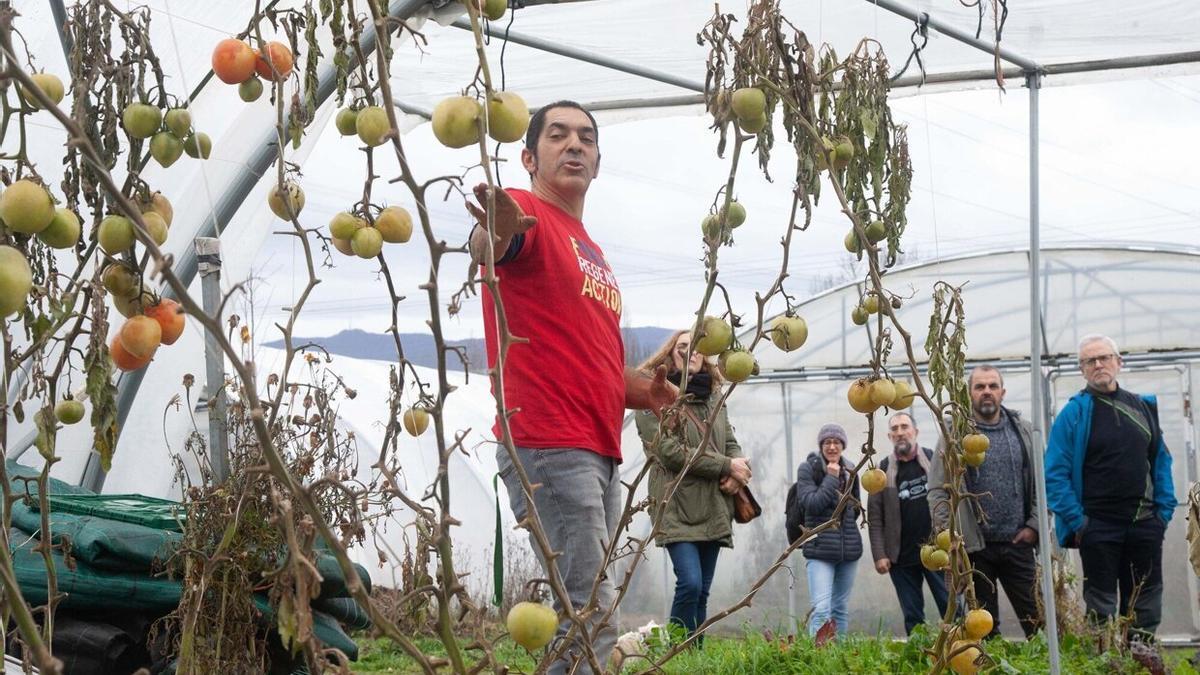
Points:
point(568, 385)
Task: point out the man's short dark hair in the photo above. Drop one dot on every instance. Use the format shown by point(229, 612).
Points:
point(538, 122)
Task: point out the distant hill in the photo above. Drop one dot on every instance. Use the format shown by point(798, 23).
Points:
point(640, 342)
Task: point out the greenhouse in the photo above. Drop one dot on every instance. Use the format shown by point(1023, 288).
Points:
point(1053, 184)
point(1086, 290)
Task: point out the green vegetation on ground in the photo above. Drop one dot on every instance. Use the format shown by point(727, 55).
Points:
point(755, 654)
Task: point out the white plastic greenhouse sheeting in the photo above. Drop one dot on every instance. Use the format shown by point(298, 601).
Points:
point(661, 35)
point(143, 463)
point(762, 428)
point(1144, 299)
point(471, 409)
point(629, 194)
point(1121, 293)
point(977, 159)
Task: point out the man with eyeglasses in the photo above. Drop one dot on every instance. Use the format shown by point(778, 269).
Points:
point(899, 523)
point(1108, 481)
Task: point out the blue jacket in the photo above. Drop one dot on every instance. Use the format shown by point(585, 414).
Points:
point(1064, 467)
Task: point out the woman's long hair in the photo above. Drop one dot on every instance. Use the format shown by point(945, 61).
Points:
point(664, 357)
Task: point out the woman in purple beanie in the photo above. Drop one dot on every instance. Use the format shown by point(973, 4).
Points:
point(832, 556)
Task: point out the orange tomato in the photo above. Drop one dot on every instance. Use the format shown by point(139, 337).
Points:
point(140, 336)
point(233, 61)
point(169, 316)
point(123, 359)
point(281, 58)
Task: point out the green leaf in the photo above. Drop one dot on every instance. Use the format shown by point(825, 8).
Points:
point(46, 432)
point(102, 392)
point(1007, 667)
point(341, 57)
point(41, 327)
point(297, 133)
point(310, 67)
point(869, 122)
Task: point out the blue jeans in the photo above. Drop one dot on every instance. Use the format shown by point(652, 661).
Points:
point(907, 580)
point(694, 563)
point(829, 586)
point(579, 502)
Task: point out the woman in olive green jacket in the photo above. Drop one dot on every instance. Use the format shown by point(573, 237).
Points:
point(697, 521)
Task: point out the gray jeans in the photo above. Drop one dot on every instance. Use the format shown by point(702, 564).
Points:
point(579, 503)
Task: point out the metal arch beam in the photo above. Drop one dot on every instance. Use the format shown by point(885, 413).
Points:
point(227, 206)
point(60, 19)
point(905, 82)
point(589, 57)
point(925, 19)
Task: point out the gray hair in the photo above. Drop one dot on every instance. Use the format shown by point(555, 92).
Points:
point(1097, 337)
point(985, 368)
point(901, 413)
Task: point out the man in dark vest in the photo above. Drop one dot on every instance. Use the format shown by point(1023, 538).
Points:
point(900, 524)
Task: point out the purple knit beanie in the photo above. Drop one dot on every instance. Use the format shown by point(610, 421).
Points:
point(832, 431)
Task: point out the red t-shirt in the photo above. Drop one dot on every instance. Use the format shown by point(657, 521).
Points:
point(560, 293)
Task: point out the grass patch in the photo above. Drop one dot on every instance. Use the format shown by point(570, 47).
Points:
point(381, 656)
point(753, 654)
point(1180, 661)
point(866, 654)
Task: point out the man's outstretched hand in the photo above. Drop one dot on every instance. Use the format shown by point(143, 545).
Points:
point(661, 393)
point(653, 393)
point(509, 221)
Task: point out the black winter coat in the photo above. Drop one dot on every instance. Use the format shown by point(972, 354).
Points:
point(818, 494)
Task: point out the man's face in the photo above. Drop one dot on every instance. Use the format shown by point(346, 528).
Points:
point(987, 393)
point(902, 434)
point(567, 153)
point(1100, 365)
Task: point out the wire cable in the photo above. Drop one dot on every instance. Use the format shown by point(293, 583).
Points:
point(184, 79)
point(922, 30)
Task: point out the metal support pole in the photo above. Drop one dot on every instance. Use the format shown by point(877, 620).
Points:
point(1189, 475)
point(785, 394)
point(208, 254)
point(1045, 540)
point(59, 10)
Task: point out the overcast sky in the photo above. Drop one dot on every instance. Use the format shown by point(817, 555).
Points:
point(1118, 165)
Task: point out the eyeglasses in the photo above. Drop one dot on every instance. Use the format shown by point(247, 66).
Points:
point(1102, 360)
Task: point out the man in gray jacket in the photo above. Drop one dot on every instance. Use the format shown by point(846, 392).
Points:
point(1000, 530)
